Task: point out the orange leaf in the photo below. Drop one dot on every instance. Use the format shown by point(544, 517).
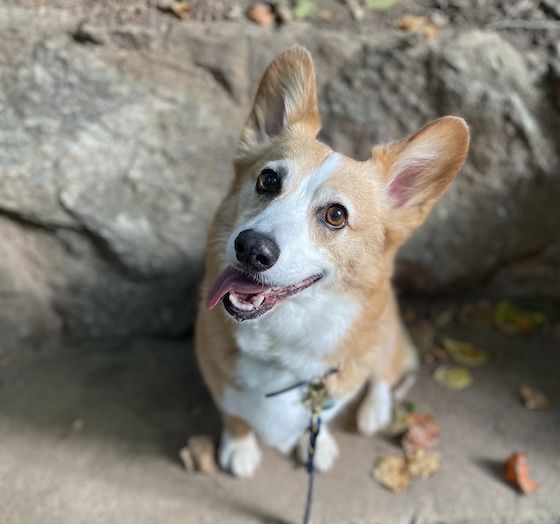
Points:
point(517, 474)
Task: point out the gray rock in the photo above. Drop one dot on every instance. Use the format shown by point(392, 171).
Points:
point(117, 149)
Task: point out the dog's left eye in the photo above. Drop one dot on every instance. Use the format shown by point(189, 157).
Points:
point(268, 182)
point(336, 216)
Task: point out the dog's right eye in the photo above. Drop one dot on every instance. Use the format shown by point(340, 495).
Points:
point(268, 182)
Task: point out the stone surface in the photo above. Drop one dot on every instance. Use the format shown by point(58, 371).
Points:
point(117, 146)
point(92, 434)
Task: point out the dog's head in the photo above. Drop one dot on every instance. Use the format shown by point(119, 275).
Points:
point(300, 215)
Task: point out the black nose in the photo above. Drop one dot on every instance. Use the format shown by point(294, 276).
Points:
point(255, 250)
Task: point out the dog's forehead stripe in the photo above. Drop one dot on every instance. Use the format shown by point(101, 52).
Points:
point(327, 169)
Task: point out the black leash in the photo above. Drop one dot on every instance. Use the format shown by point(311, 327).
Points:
point(318, 399)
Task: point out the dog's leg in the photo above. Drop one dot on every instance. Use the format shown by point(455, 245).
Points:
point(239, 450)
point(376, 409)
point(399, 365)
point(326, 449)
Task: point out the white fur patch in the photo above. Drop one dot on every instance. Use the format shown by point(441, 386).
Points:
point(240, 456)
point(376, 409)
point(289, 343)
point(287, 221)
point(326, 449)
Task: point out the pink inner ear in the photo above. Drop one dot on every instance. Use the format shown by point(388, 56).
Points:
point(403, 186)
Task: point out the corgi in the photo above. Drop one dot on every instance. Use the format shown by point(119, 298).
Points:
point(298, 270)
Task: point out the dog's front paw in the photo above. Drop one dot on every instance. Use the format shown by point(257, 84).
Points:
point(326, 449)
point(240, 456)
point(376, 409)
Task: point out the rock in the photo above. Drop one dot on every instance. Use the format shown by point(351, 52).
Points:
point(119, 153)
point(492, 214)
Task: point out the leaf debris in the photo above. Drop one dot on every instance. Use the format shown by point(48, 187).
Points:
point(533, 398)
point(455, 378)
point(465, 353)
point(517, 473)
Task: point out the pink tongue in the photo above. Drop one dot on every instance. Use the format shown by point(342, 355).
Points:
point(232, 280)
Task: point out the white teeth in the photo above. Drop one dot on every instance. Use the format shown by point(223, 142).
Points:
point(244, 306)
point(259, 300)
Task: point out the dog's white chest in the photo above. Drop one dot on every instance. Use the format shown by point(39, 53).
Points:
point(278, 351)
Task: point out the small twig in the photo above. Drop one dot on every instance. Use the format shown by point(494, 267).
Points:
point(531, 25)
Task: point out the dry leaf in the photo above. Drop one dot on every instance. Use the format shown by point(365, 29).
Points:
point(533, 398)
point(517, 474)
point(179, 8)
point(453, 377)
point(392, 472)
point(512, 320)
point(424, 464)
point(418, 24)
point(199, 455)
point(465, 353)
point(422, 432)
point(261, 14)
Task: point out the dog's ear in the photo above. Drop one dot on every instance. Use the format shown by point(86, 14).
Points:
point(417, 170)
point(287, 97)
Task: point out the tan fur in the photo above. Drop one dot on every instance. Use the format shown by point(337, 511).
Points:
point(376, 344)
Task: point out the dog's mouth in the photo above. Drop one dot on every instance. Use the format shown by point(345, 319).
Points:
point(244, 298)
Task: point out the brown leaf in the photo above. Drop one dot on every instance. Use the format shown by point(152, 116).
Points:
point(418, 24)
point(517, 473)
point(533, 398)
point(179, 8)
point(392, 472)
point(261, 14)
point(422, 433)
point(199, 455)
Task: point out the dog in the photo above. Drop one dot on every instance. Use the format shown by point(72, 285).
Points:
point(298, 270)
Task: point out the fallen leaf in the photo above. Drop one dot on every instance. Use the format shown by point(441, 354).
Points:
point(422, 433)
point(199, 455)
point(380, 5)
point(453, 377)
point(303, 9)
point(533, 398)
point(512, 320)
point(465, 353)
point(517, 473)
point(179, 8)
point(424, 464)
point(392, 473)
point(418, 24)
point(261, 14)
